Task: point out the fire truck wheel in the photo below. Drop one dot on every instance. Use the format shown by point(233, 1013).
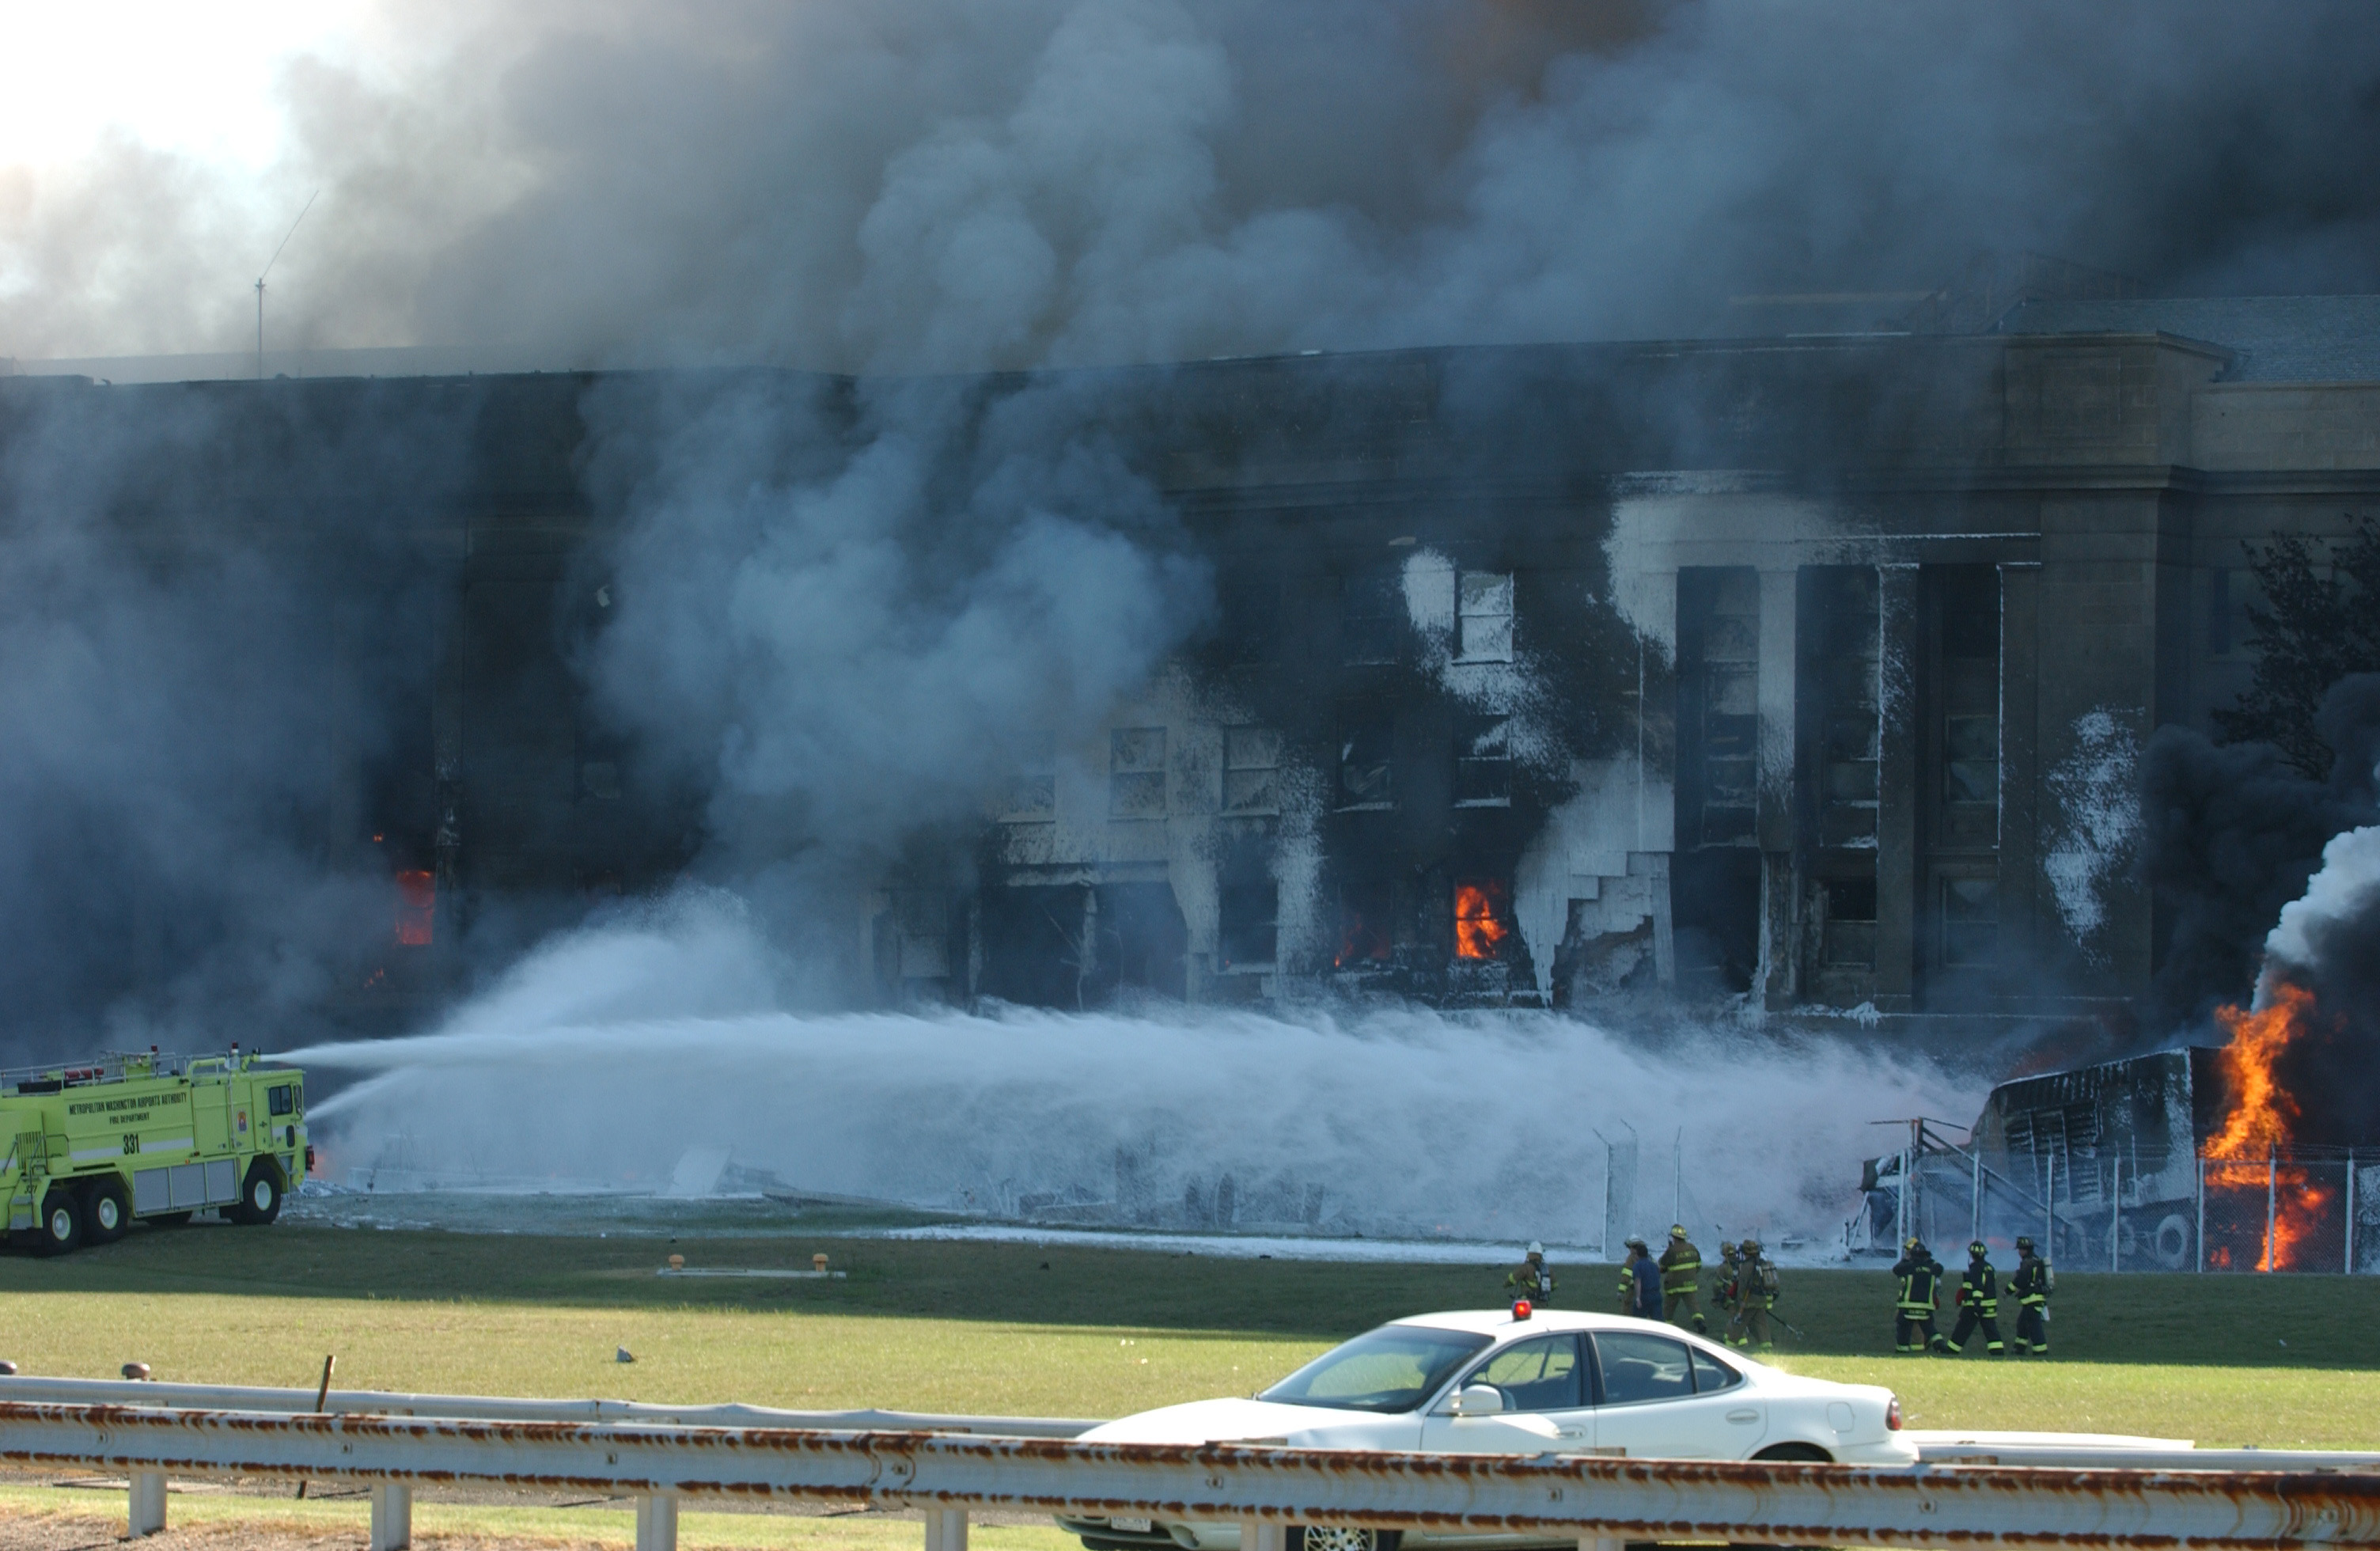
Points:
point(106, 1210)
point(260, 1195)
point(61, 1227)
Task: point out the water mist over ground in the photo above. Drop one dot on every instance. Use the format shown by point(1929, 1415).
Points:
point(609, 1052)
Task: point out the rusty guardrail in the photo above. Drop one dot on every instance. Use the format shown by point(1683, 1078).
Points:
point(1263, 1489)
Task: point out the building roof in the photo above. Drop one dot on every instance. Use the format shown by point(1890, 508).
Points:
point(2279, 339)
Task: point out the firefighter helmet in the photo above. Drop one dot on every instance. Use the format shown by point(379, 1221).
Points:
point(1677, 1230)
point(1536, 1248)
point(1977, 1250)
point(1751, 1248)
point(2024, 1244)
point(1635, 1242)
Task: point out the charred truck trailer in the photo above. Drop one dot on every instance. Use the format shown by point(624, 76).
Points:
point(2124, 1166)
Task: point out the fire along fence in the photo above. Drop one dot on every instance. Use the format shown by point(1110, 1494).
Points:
point(1597, 1501)
point(2116, 1208)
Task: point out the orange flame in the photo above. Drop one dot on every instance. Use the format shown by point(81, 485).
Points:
point(1479, 927)
point(2262, 1118)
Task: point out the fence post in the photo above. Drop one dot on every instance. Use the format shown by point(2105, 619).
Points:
point(1975, 1208)
point(656, 1522)
point(391, 1516)
point(148, 1508)
point(2116, 1213)
point(2271, 1203)
point(2201, 1211)
point(2049, 1213)
point(946, 1529)
point(2351, 1211)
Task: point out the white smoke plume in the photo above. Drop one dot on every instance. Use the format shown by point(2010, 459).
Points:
point(602, 1056)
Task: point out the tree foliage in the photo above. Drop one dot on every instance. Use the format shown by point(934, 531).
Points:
point(2320, 623)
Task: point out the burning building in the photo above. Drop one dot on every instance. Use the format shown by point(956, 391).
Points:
point(1805, 668)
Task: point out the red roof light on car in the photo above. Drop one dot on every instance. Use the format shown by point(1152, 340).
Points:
point(1520, 1308)
point(1892, 1413)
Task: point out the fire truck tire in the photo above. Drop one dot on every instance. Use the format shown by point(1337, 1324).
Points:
point(2172, 1247)
point(106, 1209)
point(60, 1229)
point(260, 1195)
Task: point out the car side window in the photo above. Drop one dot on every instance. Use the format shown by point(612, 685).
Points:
point(1638, 1367)
point(1712, 1376)
point(1540, 1375)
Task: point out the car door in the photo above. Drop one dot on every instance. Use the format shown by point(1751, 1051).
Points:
point(1543, 1382)
point(1666, 1400)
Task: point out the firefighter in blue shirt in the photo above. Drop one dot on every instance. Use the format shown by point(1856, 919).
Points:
point(1640, 1282)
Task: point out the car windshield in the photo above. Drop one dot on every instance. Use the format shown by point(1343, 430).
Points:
point(1394, 1368)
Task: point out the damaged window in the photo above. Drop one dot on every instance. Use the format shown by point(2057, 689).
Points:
point(1371, 618)
point(1482, 917)
point(1365, 934)
point(1136, 772)
point(1850, 931)
point(1971, 922)
point(417, 908)
point(1367, 759)
point(1248, 927)
point(1719, 701)
point(1251, 612)
point(1251, 769)
point(1969, 690)
point(1484, 616)
point(1483, 762)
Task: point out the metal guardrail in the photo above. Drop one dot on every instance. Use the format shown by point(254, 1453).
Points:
point(495, 1408)
point(1264, 1489)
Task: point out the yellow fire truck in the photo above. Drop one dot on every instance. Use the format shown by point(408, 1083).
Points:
point(91, 1148)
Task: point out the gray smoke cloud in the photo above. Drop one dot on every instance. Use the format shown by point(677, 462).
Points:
point(922, 185)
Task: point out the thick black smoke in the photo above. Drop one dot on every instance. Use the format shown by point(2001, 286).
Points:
point(212, 624)
point(926, 184)
point(2237, 840)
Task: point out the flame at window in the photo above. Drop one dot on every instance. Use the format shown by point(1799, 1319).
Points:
point(417, 908)
point(1482, 918)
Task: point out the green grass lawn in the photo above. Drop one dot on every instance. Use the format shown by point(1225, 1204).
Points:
point(1067, 1331)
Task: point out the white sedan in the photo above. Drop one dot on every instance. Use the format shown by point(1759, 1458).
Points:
point(1489, 1383)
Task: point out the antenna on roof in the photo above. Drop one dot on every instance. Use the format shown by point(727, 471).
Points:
point(268, 270)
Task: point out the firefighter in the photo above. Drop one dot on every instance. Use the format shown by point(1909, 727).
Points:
point(1531, 1279)
point(1727, 1293)
point(1640, 1282)
point(1979, 1301)
point(1756, 1296)
point(2031, 1286)
point(1921, 1293)
point(1682, 1280)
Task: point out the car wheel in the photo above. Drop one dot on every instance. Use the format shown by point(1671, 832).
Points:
point(106, 1210)
point(1793, 1453)
point(259, 1196)
point(61, 1225)
point(1340, 1537)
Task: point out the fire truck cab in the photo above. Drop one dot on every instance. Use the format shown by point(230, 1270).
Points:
point(86, 1150)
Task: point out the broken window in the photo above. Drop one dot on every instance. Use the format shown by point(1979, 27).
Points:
point(1371, 618)
point(1971, 922)
point(1967, 683)
point(1484, 616)
point(1366, 758)
point(1718, 693)
point(1483, 762)
point(1136, 772)
point(1482, 917)
point(1251, 769)
point(1364, 923)
point(1849, 935)
point(417, 908)
point(1841, 642)
point(1248, 929)
point(1035, 796)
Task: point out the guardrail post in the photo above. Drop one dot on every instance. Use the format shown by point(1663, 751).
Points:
point(148, 1509)
point(391, 1516)
point(946, 1529)
point(1257, 1534)
point(656, 1522)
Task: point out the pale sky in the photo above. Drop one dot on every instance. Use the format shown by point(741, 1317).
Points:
point(193, 77)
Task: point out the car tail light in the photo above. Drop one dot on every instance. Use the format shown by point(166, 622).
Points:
point(1892, 1413)
point(1520, 1308)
